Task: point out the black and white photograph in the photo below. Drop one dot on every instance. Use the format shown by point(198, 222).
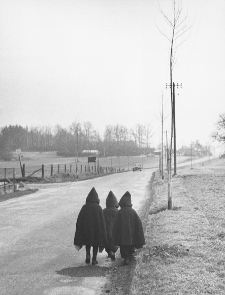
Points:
point(112, 147)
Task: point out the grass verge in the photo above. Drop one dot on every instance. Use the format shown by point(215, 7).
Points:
point(185, 247)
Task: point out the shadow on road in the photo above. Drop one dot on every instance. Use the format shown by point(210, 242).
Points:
point(84, 271)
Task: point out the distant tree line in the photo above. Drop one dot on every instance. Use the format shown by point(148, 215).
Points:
point(195, 149)
point(117, 140)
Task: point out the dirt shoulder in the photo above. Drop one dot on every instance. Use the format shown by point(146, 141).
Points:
point(185, 247)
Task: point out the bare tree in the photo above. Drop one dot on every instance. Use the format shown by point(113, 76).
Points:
point(148, 135)
point(138, 134)
point(75, 129)
point(61, 137)
point(177, 23)
point(88, 129)
point(134, 134)
point(108, 134)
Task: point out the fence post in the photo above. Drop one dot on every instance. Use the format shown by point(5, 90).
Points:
point(65, 167)
point(51, 169)
point(58, 168)
point(5, 180)
point(23, 170)
point(14, 185)
point(76, 168)
point(85, 168)
point(81, 168)
point(42, 171)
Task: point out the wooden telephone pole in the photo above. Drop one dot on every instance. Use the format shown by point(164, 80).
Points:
point(174, 124)
point(162, 155)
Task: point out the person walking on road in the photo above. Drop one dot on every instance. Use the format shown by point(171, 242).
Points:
point(109, 214)
point(127, 232)
point(90, 227)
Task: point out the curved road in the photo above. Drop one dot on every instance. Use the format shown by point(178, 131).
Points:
point(36, 236)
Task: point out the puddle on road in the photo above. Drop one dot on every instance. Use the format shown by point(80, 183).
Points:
point(84, 271)
point(69, 291)
point(92, 285)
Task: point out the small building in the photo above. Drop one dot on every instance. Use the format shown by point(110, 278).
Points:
point(91, 155)
point(157, 152)
point(90, 152)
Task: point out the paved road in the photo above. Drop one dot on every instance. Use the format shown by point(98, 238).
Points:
point(36, 237)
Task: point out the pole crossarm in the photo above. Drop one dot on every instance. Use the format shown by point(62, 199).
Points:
point(169, 85)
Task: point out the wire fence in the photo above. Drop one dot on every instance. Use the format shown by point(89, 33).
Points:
point(11, 176)
point(43, 171)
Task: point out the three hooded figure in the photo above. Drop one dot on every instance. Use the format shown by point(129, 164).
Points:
point(109, 214)
point(127, 231)
point(108, 228)
point(90, 227)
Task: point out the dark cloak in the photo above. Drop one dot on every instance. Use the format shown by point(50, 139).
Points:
point(90, 226)
point(127, 227)
point(109, 214)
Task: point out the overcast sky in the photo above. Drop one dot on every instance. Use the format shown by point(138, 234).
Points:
point(105, 61)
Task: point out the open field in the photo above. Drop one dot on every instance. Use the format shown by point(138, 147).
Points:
point(34, 161)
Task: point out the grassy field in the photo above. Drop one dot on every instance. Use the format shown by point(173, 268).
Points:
point(184, 252)
point(34, 161)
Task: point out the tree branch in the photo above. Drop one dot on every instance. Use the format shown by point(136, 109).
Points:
point(162, 33)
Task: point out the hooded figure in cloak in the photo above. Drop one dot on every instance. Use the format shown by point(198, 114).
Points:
point(109, 214)
point(90, 227)
point(127, 229)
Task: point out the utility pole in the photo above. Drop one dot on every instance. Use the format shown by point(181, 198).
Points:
point(77, 136)
point(174, 137)
point(174, 124)
point(162, 139)
point(167, 153)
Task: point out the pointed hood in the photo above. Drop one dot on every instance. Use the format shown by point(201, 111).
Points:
point(93, 196)
point(125, 201)
point(111, 200)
